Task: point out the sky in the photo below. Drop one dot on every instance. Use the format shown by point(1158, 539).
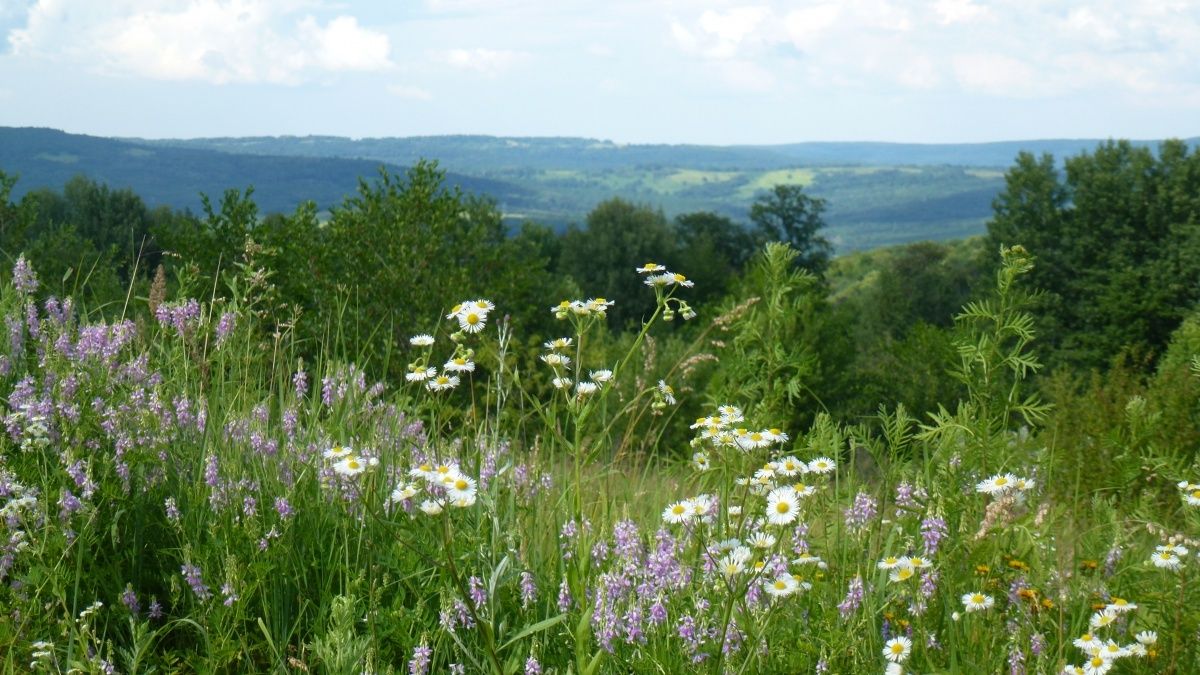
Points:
point(630, 71)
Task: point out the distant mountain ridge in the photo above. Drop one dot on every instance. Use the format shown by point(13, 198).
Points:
point(175, 176)
point(877, 193)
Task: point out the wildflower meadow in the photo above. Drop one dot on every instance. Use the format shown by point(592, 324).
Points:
point(186, 488)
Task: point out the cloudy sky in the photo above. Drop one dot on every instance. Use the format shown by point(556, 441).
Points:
point(678, 71)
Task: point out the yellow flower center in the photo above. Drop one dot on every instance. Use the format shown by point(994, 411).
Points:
point(461, 484)
point(1196, 494)
point(353, 464)
point(783, 507)
point(1002, 481)
point(780, 585)
point(472, 319)
point(897, 648)
point(977, 599)
point(679, 509)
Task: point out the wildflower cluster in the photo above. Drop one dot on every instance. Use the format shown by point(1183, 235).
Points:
point(1100, 654)
point(442, 484)
point(664, 282)
point(1190, 493)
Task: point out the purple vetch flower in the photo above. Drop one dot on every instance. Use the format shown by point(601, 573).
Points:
point(24, 279)
point(1111, 560)
point(300, 383)
point(1016, 662)
point(192, 575)
point(931, 642)
point(230, 596)
point(1037, 644)
point(130, 600)
point(904, 495)
point(225, 327)
point(283, 508)
point(853, 599)
point(658, 612)
point(156, 608)
point(211, 475)
point(182, 315)
point(172, 510)
point(933, 530)
point(68, 504)
point(528, 590)
point(421, 657)
point(860, 513)
point(250, 507)
point(564, 596)
point(822, 667)
point(475, 589)
point(532, 667)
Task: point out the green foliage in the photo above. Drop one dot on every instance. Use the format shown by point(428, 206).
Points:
point(781, 348)
point(1116, 242)
point(619, 237)
point(787, 214)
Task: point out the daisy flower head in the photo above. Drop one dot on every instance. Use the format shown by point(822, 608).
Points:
point(732, 565)
point(418, 374)
point(790, 466)
point(1147, 637)
point(586, 389)
point(1121, 605)
point(777, 435)
point(1171, 548)
point(1088, 643)
point(561, 382)
point(599, 306)
point(463, 501)
point(1192, 498)
point(667, 392)
point(977, 602)
point(1096, 665)
point(783, 586)
point(559, 343)
point(889, 563)
point(916, 562)
point(821, 465)
point(701, 505)
point(431, 507)
point(807, 558)
point(422, 340)
point(893, 669)
point(1166, 560)
point(350, 466)
point(404, 492)
point(601, 376)
point(1112, 651)
point(1102, 618)
point(472, 317)
point(783, 507)
point(556, 359)
point(897, 649)
point(650, 268)
point(442, 383)
point(461, 487)
point(700, 461)
point(460, 364)
point(997, 484)
point(730, 414)
point(337, 452)
point(677, 513)
point(902, 573)
point(761, 540)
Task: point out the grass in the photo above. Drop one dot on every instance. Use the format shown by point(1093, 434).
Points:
point(181, 494)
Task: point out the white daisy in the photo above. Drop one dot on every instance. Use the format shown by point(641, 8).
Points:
point(782, 506)
point(977, 602)
point(442, 383)
point(431, 507)
point(897, 649)
point(350, 466)
point(460, 365)
point(418, 374)
point(677, 513)
point(601, 376)
point(822, 465)
point(783, 586)
point(422, 340)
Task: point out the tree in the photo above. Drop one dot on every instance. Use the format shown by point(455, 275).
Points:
point(1116, 245)
point(716, 245)
point(788, 215)
point(602, 257)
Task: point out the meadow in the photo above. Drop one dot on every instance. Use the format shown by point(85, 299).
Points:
point(184, 491)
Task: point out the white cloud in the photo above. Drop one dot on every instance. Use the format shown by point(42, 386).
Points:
point(486, 61)
point(959, 11)
point(207, 40)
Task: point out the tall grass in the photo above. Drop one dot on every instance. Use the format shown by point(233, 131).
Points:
point(181, 494)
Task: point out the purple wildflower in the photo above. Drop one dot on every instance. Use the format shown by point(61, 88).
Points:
point(24, 279)
point(192, 574)
point(854, 598)
point(861, 512)
point(421, 656)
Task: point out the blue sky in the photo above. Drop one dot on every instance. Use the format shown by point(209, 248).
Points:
point(626, 70)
